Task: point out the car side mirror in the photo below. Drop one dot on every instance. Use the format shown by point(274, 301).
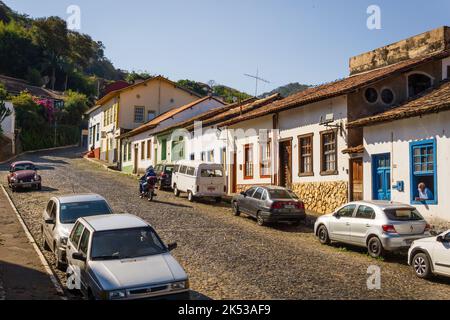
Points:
point(243, 194)
point(49, 221)
point(172, 246)
point(440, 239)
point(79, 256)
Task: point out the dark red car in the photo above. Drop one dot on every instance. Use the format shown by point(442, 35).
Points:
point(23, 174)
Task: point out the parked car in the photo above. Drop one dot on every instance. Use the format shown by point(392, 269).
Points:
point(164, 174)
point(378, 225)
point(431, 256)
point(270, 204)
point(23, 174)
point(60, 216)
point(121, 257)
point(199, 180)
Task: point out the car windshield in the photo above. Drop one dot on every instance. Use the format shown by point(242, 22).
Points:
point(169, 169)
point(126, 244)
point(24, 166)
point(404, 214)
point(70, 212)
point(280, 194)
point(209, 173)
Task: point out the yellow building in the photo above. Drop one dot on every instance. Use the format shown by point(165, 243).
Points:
point(129, 108)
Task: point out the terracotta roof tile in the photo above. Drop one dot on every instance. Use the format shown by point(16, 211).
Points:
point(338, 88)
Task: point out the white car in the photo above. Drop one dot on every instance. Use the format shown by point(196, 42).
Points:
point(60, 216)
point(120, 257)
point(431, 256)
point(380, 226)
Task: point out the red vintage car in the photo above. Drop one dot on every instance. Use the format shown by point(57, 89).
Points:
point(24, 174)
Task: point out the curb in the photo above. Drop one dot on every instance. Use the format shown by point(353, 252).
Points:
point(44, 262)
point(108, 169)
point(36, 151)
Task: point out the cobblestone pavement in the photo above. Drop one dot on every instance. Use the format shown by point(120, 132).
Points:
point(230, 257)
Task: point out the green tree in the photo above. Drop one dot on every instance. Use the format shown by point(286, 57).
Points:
point(29, 115)
point(75, 105)
point(4, 112)
point(51, 35)
point(133, 76)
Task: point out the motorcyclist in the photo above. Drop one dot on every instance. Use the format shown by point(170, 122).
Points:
point(150, 172)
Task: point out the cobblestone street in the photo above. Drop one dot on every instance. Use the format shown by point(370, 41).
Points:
point(228, 257)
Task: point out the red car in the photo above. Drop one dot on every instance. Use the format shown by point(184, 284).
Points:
point(24, 174)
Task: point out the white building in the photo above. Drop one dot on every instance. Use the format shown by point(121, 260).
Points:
point(145, 146)
point(409, 145)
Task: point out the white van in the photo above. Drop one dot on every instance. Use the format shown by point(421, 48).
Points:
point(199, 180)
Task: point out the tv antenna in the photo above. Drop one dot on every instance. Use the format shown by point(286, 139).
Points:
point(257, 78)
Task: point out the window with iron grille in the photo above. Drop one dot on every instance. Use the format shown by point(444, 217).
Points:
point(138, 114)
point(329, 153)
point(305, 146)
point(248, 161)
point(265, 160)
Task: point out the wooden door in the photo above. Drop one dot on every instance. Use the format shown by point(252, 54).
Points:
point(234, 174)
point(286, 164)
point(356, 180)
point(136, 159)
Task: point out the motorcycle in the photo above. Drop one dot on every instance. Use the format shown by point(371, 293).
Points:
point(149, 188)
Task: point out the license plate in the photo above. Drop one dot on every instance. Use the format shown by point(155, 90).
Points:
point(289, 206)
point(211, 189)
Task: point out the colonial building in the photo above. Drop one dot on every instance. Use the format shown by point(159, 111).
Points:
point(128, 108)
point(142, 146)
point(407, 146)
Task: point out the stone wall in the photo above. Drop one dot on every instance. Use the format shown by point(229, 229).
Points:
point(423, 44)
point(245, 187)
point(322, 197)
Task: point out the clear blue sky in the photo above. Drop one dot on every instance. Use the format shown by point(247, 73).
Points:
point(306, 41)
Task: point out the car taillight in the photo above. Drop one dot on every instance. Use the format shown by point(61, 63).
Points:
point(300, 205)
point(389, 229)
point(163, 175)
point(427, 227)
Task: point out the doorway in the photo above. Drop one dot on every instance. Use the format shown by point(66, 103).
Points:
point(136, 158)
point(381, 177)
point(356, 179)
point(285, 179)
point(234, 174)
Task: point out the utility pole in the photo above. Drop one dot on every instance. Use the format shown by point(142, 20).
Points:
point(257, 79)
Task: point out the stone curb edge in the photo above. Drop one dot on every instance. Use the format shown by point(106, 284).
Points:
point(44, 262)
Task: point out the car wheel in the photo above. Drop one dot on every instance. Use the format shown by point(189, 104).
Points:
point(44, 243)
point(176, 192)
point(375, 247)
point(324, 238)
point(260, 220)
point(58, 263)
point(421, 265)
point(190, 196)
point(236, 211)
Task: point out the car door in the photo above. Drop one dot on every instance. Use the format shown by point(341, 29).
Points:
point(340, 224)
point(255, 201)
point(441, 256)
point(83, 248)
point(361, 224)
point(72, 247)
point(245, 202)
point(50, 227)
point(46, 226)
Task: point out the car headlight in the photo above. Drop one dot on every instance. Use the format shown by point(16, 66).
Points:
point(181, 285)
point(37, 178)
point(63, 241)
point(118, 294)
point(13, 179)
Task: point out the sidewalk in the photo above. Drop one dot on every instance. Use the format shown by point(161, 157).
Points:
point(22, 274)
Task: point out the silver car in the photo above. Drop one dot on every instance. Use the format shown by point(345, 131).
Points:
point(60, 216)
point(378, 225)
point(120, 257)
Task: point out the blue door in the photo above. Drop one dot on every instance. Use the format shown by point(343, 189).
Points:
point(381, 176)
